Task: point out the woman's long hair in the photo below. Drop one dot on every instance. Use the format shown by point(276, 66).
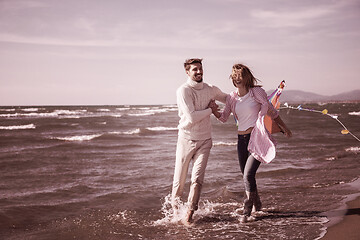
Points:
point(246, 75)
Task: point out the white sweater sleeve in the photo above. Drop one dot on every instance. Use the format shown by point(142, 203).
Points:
point(219, 95)
point(186, 106)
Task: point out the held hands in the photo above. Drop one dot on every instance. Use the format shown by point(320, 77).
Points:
point(214, 108)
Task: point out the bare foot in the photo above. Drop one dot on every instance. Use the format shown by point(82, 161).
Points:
point(246, 219)
point(188, 221)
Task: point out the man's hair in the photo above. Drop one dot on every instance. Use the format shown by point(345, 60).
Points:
point(190, 61)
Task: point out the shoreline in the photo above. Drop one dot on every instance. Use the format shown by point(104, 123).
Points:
point(344, 221)
point(348, 227)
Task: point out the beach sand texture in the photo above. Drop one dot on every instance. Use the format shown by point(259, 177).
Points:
point(349, 227)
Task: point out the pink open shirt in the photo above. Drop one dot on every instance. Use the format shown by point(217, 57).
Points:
point(261, 143)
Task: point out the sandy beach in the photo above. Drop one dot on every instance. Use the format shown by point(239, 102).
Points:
point(349, 227)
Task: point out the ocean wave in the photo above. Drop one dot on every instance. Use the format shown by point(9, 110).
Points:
point(129, 132)
point(225, 143)
point(353, 149)
point(123, 109)
point(7, 109)
point(170, 106)
point(30, 109)
point(160, 110)
point(10, 115)
point(103, 110)
point(18, 127)
point(69, 116)
point(350, 151)
point(354, 113)
point(69, 112)
point(162, 128)
point(116, 115)
point(141, 114)
point(79, 138)
point(146, 111)
point(147, 130)
point(57, 113)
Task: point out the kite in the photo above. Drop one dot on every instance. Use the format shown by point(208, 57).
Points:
point(273, 127)
point(273, 98)
point(324, 112)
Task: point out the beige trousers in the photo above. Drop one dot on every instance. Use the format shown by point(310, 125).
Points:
point(188, 150)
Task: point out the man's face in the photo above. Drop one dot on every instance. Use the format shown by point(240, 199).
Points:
point(195, 72)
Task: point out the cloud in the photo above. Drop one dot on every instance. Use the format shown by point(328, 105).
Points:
point(14, 38)
point(20, 4)
point(293, 18)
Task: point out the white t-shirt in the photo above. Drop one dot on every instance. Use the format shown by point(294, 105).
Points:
point(247, 110)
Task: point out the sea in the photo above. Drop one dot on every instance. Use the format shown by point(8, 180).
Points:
point(105, 172)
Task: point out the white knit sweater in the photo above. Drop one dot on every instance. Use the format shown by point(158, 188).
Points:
point(193, 99)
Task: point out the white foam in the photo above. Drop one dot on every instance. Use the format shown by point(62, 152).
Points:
point(56, 113)
point(169, 216)
point(7, 109)
point(207, 208)
point(225, 143)
point(117, 115)
point(67, 117)
point(30, 109)
point(104, 110)
point(162, 128)
point(123, 109)
point(131, 132)
point(68, 112)
point(354, 113)
point(141, 114)
point(163, 110)
point(29, 115)
point(18, 127)
point(79, 138)
point(170, 106)
point(353, 149)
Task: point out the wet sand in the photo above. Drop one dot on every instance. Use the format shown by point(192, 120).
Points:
point(349, 227)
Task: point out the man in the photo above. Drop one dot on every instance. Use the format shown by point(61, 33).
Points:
point(194, 100)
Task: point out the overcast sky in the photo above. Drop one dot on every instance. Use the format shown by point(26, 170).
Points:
point(132, 51)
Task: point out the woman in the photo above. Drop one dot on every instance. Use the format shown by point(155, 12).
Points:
point(249, 105)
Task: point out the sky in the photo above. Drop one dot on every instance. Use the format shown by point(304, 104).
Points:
point(130, 52)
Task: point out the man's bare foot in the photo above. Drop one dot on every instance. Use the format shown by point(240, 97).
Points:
point(188, 219)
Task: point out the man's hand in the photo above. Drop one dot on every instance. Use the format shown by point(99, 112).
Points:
point(214, 108)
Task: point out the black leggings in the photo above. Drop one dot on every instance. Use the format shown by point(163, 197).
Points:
point(248, 164)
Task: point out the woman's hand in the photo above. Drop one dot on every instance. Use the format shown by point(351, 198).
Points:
point(285, 130)
point(283, 127)
point(288, 133)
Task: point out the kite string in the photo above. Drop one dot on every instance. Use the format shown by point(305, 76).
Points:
point(325, 112)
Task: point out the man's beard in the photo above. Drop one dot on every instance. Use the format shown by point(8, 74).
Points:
point(199, 81)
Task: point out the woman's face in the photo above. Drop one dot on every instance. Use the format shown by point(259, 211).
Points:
point(238, 80)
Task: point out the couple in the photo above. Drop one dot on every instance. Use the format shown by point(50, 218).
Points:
point(196, 103)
